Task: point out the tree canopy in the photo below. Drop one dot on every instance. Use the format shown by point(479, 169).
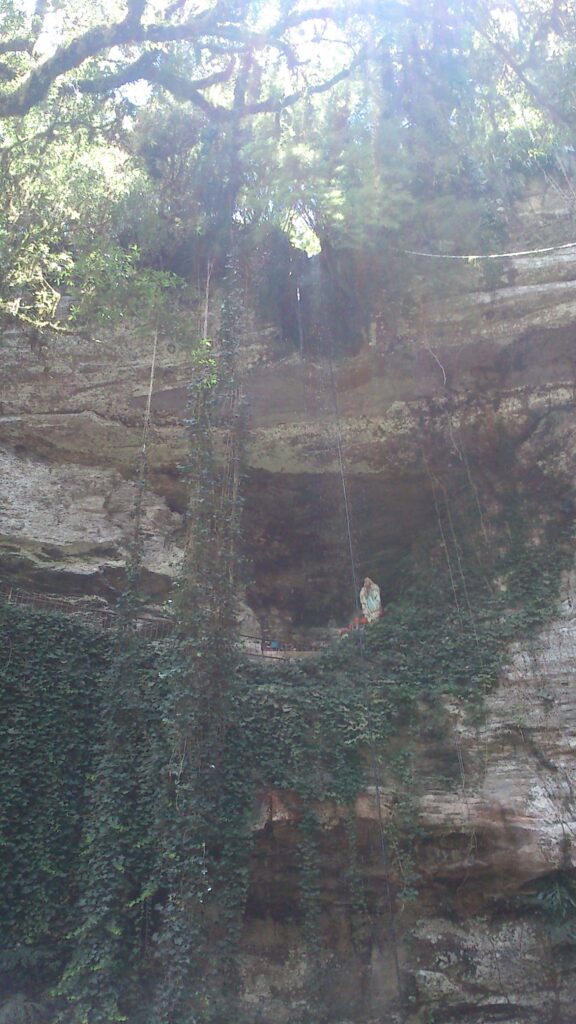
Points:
point(185, 49)
point(133, 135)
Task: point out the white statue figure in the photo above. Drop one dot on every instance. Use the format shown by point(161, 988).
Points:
point(249, 628)
point(370, 600)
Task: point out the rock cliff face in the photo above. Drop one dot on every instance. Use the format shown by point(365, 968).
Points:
point(487, 379)
point(495, 825)
point(469, 364)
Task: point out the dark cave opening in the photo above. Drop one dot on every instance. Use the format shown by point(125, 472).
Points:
point(297, 547)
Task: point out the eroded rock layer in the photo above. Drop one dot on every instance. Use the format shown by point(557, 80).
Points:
point(478, 390)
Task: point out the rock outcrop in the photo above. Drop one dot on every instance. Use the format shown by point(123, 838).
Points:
point(487, 377)
point(495, 813)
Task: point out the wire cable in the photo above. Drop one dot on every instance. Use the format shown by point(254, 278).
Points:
point(473, 257)
point(148, 410)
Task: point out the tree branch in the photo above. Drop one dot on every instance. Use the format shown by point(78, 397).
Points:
point(146, 68)
point(184, 89)
point(205, 30)
point(273, 106)
point(20, 44)
point(136, 9)
point(134, 72)
point(39, 325)
point(174, 8)
point(90, 44)
point(190, 90)
point(256, 41)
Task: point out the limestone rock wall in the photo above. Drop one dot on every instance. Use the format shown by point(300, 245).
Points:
point(473, 946)
point(482, 371)
point(71, 418)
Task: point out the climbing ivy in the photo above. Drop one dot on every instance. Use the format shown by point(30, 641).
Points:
point(199, 824)
point(150, 835)
point(112, 922)
point(51, 706)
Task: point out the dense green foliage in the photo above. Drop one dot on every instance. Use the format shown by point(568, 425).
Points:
point(52, 702)
point(435, 117)
point(149, 152)
point(150, 835)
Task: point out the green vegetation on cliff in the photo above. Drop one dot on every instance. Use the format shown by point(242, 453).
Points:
point(147, 152)
point(130, 769)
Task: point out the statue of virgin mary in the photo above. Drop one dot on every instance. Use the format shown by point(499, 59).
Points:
point(370, 600)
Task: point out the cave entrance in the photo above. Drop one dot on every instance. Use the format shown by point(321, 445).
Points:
point(296, 541)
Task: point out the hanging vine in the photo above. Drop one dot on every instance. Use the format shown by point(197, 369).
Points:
point(162, 853)
point(116, 860)
point(172, 741)
point(195, 858)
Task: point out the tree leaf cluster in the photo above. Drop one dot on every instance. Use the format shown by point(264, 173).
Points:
point(424, 141)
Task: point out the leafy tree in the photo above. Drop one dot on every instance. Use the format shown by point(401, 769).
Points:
point(135, 135)
point(226, 60)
